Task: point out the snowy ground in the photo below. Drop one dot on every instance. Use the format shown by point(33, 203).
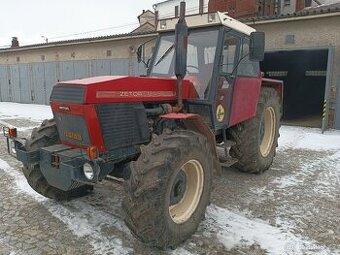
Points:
point(293, 208)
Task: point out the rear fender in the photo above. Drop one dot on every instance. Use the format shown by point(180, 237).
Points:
point(195, 123)
point(275, 84)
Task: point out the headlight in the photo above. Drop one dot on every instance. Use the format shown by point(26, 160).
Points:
point(12, 147)
point(88, 171)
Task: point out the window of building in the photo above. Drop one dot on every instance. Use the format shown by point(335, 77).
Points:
point(290, 39)
point(287, 2)
point(108, 53)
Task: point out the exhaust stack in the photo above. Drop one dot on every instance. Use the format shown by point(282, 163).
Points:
point(181, 48)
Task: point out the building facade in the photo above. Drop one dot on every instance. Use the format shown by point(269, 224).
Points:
point(302, 49)
point(234, 8)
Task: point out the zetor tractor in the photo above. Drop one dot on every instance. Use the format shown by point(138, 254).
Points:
point(202, 106)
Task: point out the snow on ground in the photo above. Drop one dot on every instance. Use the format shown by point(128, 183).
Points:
point(233, 228)
point(308, 138)
point(87, 223)
point(236, 230)
point(27, 111)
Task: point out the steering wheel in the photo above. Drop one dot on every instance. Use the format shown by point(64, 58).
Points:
point(194, 67)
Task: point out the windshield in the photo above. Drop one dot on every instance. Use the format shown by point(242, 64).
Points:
point(201, 57)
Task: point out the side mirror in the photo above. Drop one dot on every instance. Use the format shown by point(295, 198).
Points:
point(140, 57)
point(139, 53)
point(256, 46)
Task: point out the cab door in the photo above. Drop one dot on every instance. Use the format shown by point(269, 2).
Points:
point(227, 75)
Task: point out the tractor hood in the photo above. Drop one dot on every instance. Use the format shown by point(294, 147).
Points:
point(117, 89)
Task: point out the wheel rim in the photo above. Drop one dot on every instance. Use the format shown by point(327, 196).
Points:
point(267, 131)
point(186, 191)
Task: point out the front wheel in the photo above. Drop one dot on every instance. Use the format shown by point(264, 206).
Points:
point(169, 188)
point(256, 139)
point(43, 136)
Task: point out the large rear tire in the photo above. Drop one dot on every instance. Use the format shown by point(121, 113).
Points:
point(43, 136)
point(169, 188)
point(257, 139)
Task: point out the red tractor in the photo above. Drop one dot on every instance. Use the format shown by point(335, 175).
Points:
point(203, 105)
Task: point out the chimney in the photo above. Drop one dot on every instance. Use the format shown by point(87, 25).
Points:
point(201, 6)
point(15, 42)
point(156, 18)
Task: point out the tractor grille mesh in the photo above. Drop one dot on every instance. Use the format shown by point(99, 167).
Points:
point(123, 124)
point(68, 94)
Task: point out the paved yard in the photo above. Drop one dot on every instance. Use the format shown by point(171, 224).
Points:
point(293, 208)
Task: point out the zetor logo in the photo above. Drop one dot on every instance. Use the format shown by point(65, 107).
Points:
point(73, 136)
point(117, 94)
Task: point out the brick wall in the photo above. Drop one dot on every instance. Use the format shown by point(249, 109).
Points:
point(300, 4)
point(244, 8)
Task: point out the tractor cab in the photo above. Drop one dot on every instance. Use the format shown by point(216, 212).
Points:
point(222, 53)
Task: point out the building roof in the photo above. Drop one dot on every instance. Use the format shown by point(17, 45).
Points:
point(307, 13)
point(145, 12)
point(147, 27)
point(322, 7)
point(82, 41)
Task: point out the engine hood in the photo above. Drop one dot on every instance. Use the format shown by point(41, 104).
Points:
point(111, 89)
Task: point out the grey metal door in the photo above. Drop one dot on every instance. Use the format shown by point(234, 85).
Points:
point(4, 88)
point(67, 71)
point(39, 86)
point(119, 66)
point(101, 67)
point(81, 69)
point(15, 83)
point(51, 78)
point(25, 84)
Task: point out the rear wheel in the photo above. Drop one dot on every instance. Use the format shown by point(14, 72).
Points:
point(169, 188)
point(256, 139)
point(47, 135)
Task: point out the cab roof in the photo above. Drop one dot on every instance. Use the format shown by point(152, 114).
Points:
point(206, 20)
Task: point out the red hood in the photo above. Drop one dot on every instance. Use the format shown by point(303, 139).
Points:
point(110, 89)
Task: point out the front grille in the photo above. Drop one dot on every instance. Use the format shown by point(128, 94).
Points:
point(68, 94)
point(72, 129)
point(123, 124)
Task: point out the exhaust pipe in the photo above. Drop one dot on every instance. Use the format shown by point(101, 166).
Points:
point(181, 48)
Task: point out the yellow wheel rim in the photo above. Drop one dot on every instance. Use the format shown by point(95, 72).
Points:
point(182, 210)
point(268, 127)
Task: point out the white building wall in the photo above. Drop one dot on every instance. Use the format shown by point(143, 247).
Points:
point(167, 9)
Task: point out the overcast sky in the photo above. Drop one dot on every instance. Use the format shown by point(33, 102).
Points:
point(29, 20)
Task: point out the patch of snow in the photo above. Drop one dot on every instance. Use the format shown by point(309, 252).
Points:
point(86, 223)
point(308, 138)
point(235, 230)
point(29, 111)
point(21, 185)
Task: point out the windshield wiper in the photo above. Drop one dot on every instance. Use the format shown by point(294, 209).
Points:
point(166, 53)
